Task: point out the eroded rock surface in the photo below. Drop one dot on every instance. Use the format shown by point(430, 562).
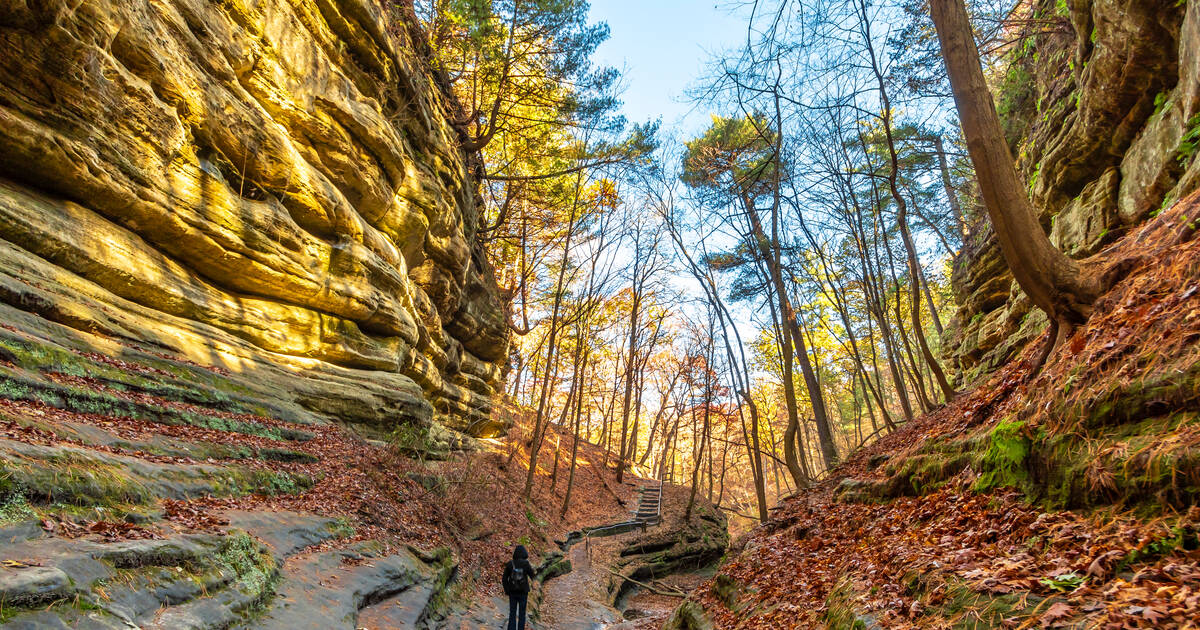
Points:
point(256, 577)
point(268, 186)
point(1102, 113)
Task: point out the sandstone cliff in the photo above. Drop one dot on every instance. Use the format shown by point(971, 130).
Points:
point(1102, 110)
point(270, 187)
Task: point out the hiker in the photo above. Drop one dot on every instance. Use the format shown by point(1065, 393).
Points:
point(517, 573)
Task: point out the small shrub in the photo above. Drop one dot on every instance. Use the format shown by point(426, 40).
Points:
point(726, 589)
point(1189, 141)
point(14, 507)
point(535, 520)
point(254, 566)
point(273, 483)
point(1064, 583)
point(342, 527)
point(412, 440)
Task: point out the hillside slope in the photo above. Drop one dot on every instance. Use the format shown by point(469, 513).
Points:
point(1065, 499)
point(140, 488)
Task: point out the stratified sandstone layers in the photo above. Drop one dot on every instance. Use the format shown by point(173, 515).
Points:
point(267, 186)
point(1102, 111)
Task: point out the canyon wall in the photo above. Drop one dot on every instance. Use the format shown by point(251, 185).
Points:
point(269, 187)
point(1102, 111)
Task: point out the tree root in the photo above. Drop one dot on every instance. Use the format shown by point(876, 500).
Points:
point(1047, 348)
point(656, 591)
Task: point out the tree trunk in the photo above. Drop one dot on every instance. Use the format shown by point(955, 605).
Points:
point(754, 451)
point(873, 295)
point(551, 338)
point(914, 266)
point(913, 366)
point(574, 444)
point(798, 472)
point(937, 321)
point(788, 315)
point(572, 394)
point(951, 195)
point(640, 379)
point(1061, 287)
point(633, 322)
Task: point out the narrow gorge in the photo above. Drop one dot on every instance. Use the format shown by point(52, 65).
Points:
point(792, 314)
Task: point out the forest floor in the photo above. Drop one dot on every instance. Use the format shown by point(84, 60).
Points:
point(470, 502)
point(1061, 499)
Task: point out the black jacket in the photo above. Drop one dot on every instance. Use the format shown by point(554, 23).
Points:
point(520, 559)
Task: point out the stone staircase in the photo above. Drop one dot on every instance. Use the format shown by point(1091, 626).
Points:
point(649, 509)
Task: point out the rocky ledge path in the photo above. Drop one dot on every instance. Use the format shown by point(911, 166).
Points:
point(208, 581)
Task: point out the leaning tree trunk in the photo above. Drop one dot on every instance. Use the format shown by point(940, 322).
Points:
point(789, 319)
point(575, 440)
point(1061, 287)
point(633, 323)
point(699, 460)
point(797, 471)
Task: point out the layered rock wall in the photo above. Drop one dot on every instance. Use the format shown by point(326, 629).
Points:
point(268, 186)
point(1102, 111)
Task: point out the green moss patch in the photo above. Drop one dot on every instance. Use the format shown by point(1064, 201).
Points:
point(1148, 464)
point(67, 481)
point(946, 598)
point(256, 570)
point(840, 612)
point(14, 507)
point(1003, 463)
point(76, 481)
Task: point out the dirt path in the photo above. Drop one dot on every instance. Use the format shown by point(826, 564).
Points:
point(579, 599)
point(574, 601)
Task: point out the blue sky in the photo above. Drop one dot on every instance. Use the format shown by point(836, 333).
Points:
point(662, 46)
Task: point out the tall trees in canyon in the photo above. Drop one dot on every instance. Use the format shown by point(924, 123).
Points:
point(745, 306)
point(645, 273)
point(863, 30)
point(817, 178)
point(738, 161)
point(738, 310)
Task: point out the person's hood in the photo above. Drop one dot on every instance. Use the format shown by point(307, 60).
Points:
point(520, 553)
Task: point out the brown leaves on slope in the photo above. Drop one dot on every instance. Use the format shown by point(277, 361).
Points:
point(956, 555)
point(910, 558)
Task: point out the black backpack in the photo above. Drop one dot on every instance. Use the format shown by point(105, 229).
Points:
point(516, 579)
